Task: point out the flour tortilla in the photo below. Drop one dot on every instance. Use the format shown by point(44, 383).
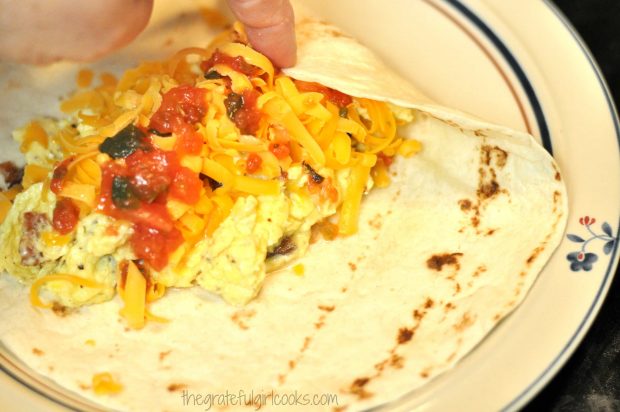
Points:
point(443, 254)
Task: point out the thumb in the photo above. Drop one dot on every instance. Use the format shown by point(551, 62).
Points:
point(270, 26)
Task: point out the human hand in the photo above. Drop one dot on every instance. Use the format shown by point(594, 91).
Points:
point(270, 26)
point(40, 32)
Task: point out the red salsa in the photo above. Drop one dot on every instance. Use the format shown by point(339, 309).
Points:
point(59, 174)
point(181, 108)
point(138, 191)
point(66, 215)
point(334, 96)
point(236, 63)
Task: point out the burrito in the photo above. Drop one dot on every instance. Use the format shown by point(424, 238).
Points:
point(210, 223)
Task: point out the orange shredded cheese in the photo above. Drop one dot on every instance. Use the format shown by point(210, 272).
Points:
point(103, 383)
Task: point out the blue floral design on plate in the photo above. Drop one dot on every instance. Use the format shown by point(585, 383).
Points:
point(581, 259)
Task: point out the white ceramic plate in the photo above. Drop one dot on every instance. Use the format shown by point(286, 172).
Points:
point(518, 63)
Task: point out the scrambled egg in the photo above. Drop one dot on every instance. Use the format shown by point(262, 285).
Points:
point(232, 263)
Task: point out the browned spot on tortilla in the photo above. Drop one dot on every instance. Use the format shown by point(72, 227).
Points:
point(376, 222)
point(556, 200)
point(357, 388)
point(319, 324)
point(281, 378)
point(343, 289)
point(497, 317)
point(352, 266)
point(163, 355)
point(84, 386)
point(307, 341)
point(61, 310)
point(38, 352)
point(465, 204)
point(535, 254)
point(488, 189)
point(457, 288)
point(437, 262)
point(451, 357)
point(465, 322)
point(381, 365)
point(493, 154)
point(50, 368)
point(429, 303)
point(490, 232)
point(558, 175)
point(418, 315)
point(241, 317)
point(327, 308)
point(291, 364)
point(175, 387)
point(522, 274)
point(479, 270)
point(425, 373)
point(404, 335)
point(397, 361)
point(449, 306)
point(340, 408)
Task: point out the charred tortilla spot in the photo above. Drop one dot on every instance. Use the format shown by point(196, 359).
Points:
point(465, 204)
point(357, 388)
point(38, 352)
point(490, 232)
point(449, 306)
point(429, 303)
point(493, 154)
point(404, 335)
point(327, 308)
point(397, 361)
point(437, 262)
point(558, 177)
point(488, 190)
point(60, 309)
point(535, 254)
point(465, 322)
point(163, 355)
point(175, 387)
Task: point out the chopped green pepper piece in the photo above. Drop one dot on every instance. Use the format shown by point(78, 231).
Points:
point(125, 143)
point(233, 103)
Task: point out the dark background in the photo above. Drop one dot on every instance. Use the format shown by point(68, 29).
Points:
point(590, 380)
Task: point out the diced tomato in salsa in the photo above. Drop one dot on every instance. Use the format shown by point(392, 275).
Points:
point(59, 174)
point(153, 245)
point(280, 149)
point(253, 163)
point(186, 186)
point(180, 105)
point(65, 217)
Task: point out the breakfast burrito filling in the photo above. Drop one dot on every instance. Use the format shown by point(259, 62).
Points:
point(211, 168)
